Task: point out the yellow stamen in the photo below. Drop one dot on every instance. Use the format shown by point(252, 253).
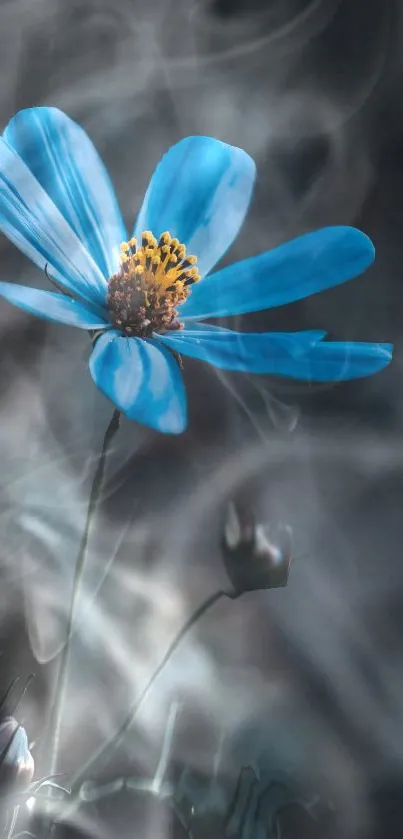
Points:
point(155, 277)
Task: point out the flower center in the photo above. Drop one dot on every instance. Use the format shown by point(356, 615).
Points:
point(153, 278)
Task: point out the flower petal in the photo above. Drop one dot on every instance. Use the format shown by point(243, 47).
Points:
point(64, 161)
point(343, 360)
point(199, 192)
point(300, 355)
point(194, 329)
point(142, 379)
point(245, 351)
point(51, 306)
point(33, 223)
point(311, 263)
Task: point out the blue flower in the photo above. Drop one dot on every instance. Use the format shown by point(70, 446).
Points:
point(145, 297)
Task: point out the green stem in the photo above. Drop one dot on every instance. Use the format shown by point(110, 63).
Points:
point(114, 741)
point(58, 704)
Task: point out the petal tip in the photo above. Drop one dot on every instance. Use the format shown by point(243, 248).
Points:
point(173, 425)
point(387, 353)
point(361, 242)
point(175, 429)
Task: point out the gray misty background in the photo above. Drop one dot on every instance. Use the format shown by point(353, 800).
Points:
point(309, 679)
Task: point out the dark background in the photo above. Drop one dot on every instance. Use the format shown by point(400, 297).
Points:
point(305, 682)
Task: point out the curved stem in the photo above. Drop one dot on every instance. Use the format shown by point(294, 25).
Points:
point(13, 822)
point(113, 742)
point(58, 704)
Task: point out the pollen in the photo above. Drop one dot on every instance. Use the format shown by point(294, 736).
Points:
point(153, 279)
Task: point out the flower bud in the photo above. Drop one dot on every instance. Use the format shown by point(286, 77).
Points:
point(16, 761)
point(252, 560)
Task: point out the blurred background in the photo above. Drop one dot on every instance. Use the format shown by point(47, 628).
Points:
point(287, 701)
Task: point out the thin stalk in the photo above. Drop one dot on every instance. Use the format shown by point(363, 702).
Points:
point(13, 822)
point(114, 741)
point(60, 695)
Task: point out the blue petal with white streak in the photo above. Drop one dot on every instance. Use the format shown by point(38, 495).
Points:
point(308, 264)
point(32, 221)
point(142, 379)
point(65, 162)
point(51, 306)
point(199, 192)
point(299, 355)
